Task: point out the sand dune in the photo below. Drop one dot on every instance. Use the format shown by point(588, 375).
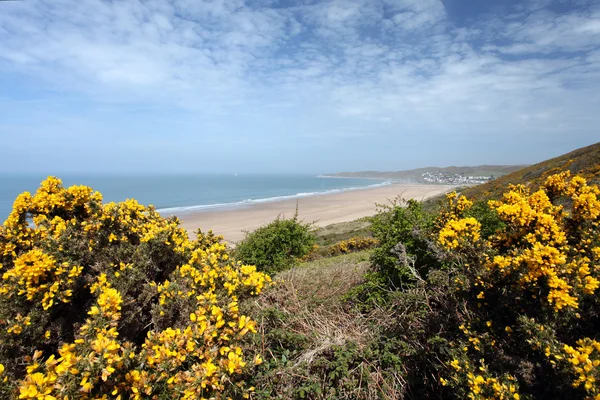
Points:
point(322, 209)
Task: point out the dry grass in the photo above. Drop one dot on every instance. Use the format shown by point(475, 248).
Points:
point(324, 280)
point(309, 304)
point(311, 294)
point(335, 233)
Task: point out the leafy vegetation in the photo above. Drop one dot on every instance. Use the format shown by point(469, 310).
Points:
point(401, 229)
point(505, 306)
point(277, 245)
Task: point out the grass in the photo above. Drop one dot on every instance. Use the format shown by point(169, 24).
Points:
point(335, 233)
point(312, 340)
point(325, 280)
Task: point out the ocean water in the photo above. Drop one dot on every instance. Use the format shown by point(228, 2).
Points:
point(177, 194)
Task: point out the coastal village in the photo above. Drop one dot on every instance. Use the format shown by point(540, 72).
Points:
point(454, 179)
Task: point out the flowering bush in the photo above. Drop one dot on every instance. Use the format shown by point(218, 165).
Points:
point(534, 281)
point(113, 300)
point(353, 244)
point(491, 300)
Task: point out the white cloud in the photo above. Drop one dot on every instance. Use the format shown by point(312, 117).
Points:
point(383, 67)
point(418, 14)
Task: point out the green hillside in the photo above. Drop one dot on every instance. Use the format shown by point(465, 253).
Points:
point(584, 161)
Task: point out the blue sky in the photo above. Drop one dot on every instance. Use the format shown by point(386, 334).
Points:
point(294, 86)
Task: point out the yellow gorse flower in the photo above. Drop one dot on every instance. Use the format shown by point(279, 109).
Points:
point(534, 243)
point(195, 359)
point(546, 256)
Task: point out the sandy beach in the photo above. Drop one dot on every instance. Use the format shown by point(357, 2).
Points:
point(322, 209)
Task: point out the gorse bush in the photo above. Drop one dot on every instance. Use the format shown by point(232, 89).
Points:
point(277, 245)
point(532, 292)
point(488, 218)
point(357, 243)
point(114, 301)
point(509, 307)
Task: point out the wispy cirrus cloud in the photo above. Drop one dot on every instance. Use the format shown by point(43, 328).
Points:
point(380, 78)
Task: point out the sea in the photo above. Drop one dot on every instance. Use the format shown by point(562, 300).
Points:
point(179, 194)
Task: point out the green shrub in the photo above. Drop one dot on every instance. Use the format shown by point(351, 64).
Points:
point(409, 226)
point(277, 245)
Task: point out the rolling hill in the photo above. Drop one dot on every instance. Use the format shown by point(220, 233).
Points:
point(584, 161)
point(418, 175)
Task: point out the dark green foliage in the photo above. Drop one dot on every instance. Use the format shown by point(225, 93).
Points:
point(374, 291)
point(339, 369)
point(276, 246)
point(415, 336)
point(410, 226)
point(338, 372)
point(490, 222)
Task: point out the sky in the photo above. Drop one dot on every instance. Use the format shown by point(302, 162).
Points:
point(294, 86)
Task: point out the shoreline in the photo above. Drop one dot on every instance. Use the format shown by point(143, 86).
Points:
point(321, 209)
point(168, 211)
point(392, 181)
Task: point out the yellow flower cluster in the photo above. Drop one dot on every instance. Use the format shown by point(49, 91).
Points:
point(51, 209)
point(582, 360)
point(19, 324)
point(214, 323)
point(459, 231)
point(130, 220)
point(455, 230)
point(63, 244)
point(456, 205)
point(481, 384)
point(36, 275)
point(541, 264)
point(585, 361)
point(353, 244)
point(454, 208)
point(538, 239)
point(586, 198)
point(87, 363)
point(539, 235)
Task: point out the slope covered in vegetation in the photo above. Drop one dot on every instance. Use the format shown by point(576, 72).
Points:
point(584, 161)
point(494, 302)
